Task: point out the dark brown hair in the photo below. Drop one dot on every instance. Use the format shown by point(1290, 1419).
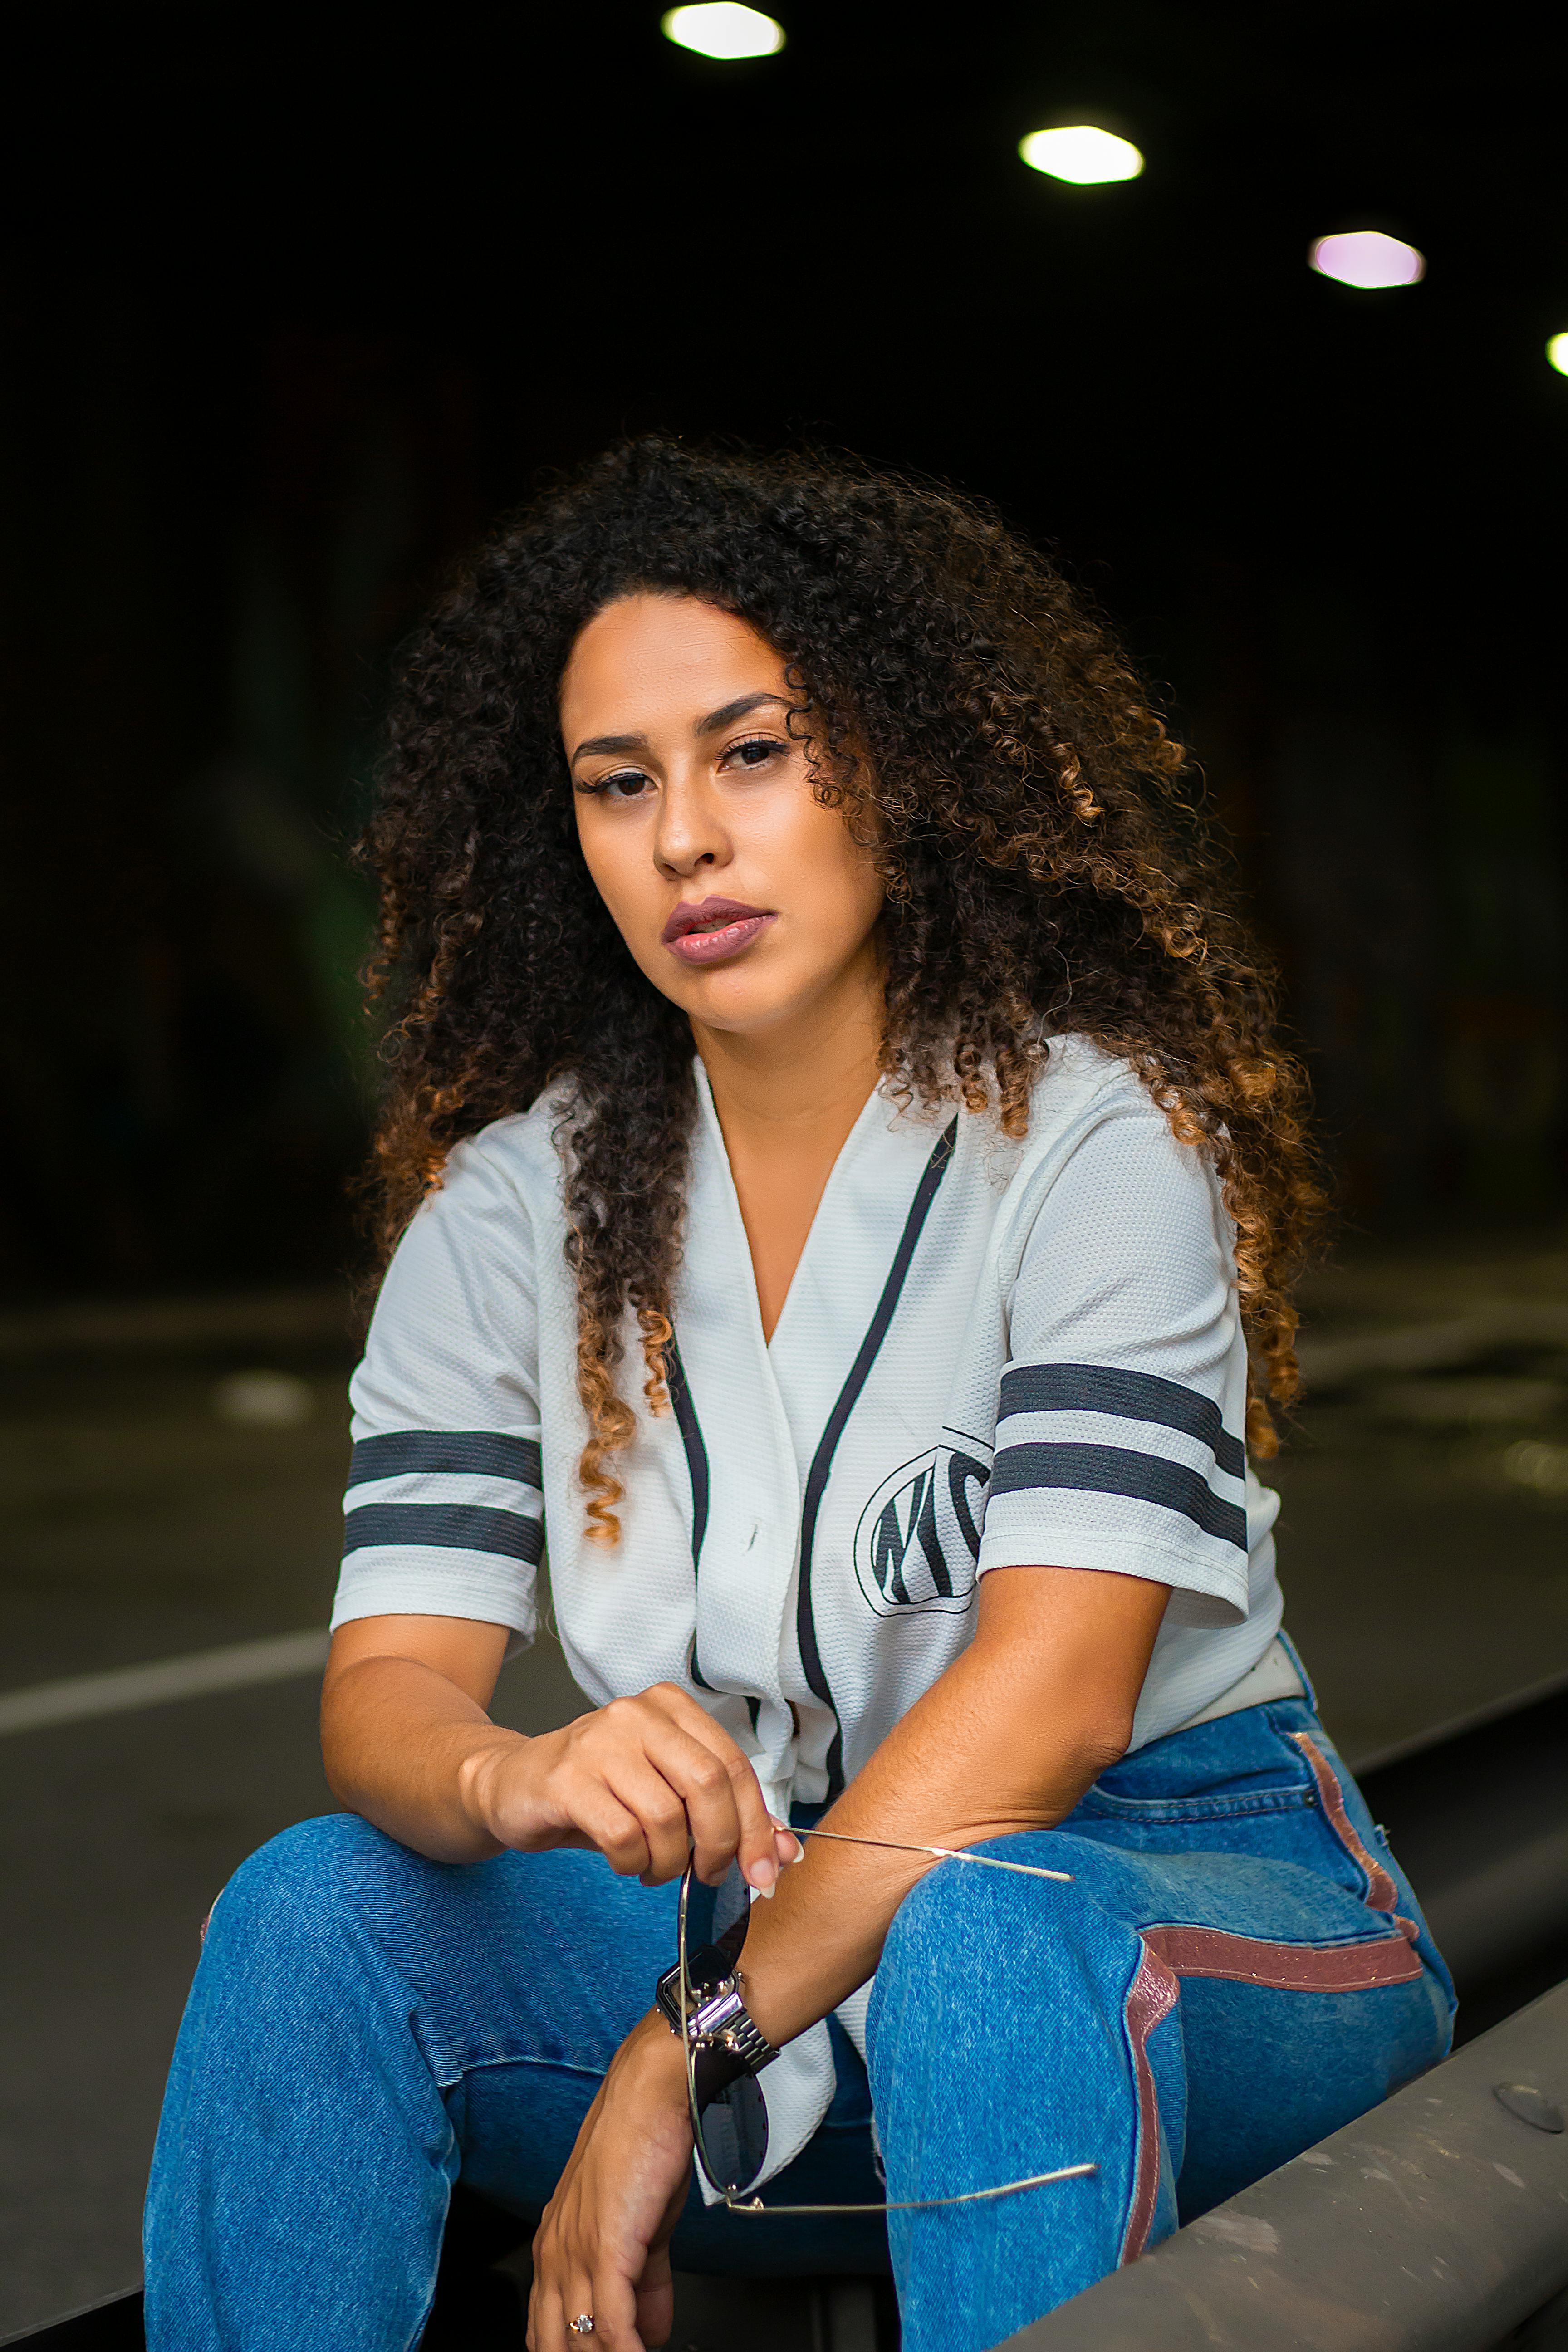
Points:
point(1046, 870)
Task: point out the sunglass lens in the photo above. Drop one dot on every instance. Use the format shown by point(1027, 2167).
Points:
point(731, 1901)
point(732, 2129)
point(733, 2135)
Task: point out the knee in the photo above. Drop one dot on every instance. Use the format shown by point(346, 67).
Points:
point(959, 1921)
point(954, 1915)
point(301, 1887)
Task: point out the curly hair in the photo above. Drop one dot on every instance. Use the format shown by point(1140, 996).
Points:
point(1044, 870)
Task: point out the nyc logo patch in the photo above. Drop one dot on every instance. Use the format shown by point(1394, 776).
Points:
point(918, 1541)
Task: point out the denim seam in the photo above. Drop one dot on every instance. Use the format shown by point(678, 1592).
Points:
point(527, 2058)
point(1107, 1806)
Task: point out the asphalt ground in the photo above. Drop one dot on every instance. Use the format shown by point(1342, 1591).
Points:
point(153, 1511)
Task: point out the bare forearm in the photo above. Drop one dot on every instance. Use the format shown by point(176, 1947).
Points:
point(645, 1780)
point(403, 1746)
point(1007, 1740)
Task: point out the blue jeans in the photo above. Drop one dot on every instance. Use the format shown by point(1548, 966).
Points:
point(1236, 1968)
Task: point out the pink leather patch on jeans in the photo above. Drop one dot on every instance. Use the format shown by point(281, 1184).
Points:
point(1150, 1996)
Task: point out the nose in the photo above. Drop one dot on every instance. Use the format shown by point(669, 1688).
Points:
point(690, 837)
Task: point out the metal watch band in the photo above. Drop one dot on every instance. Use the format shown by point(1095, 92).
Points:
point(741, 2035)
point(738, 2047)
point(736, 2044)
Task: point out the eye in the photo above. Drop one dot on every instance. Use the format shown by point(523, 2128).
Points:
point(755, 750)
point(620, 784)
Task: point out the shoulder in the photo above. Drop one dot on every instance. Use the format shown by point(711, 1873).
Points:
point(1085, 1095)
point(1100, 1154)
point(513, 1162)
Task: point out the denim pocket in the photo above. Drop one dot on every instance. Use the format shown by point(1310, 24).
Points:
point(1245, 1765)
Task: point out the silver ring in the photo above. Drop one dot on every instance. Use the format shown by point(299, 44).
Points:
point(583, 2324)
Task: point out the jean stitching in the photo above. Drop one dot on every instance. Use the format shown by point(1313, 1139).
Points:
point(1107, 1806)
point(527, 2058)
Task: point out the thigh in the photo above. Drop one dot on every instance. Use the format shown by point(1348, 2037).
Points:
point(544, 1955)
point(531, 1970)
point(1274, 1923)
point(1234, 1970)
point(516, 1979)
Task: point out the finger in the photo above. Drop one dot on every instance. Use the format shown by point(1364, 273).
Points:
point(705, 1782)
point(753, 1837)
point(787, 1847)
point(654, 2291)
point(606, 1821)
point(546, 2327)
point(614, 2305)
point(660, 1811)
point(579, 2300)
point(757, 1848)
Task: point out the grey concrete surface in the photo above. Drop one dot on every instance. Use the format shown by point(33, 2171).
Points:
point(1424, 1545)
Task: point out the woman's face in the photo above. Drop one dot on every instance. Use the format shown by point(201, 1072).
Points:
point(739, 895)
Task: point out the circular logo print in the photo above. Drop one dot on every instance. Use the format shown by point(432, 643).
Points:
point(919, 1538)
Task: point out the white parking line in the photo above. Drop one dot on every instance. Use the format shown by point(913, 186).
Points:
point(277, 1659)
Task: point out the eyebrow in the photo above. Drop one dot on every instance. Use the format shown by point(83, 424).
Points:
point(723, 717)
point(736, 710)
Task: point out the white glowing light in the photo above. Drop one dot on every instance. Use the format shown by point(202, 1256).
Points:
point(723, 28)
point(1365, 257)
point(1557, 353)
point(1082, 154)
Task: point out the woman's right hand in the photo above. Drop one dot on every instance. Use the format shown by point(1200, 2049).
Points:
point(638, 1780)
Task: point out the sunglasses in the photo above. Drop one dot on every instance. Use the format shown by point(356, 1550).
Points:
point(731, 2132)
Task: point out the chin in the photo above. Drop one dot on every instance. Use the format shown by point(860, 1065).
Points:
point(740, 1001)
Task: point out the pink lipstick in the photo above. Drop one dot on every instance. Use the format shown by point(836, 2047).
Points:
point(712, 931)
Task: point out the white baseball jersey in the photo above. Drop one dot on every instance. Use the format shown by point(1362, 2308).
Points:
point(992, 1354)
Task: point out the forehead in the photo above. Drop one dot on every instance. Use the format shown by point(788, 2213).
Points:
point(645, 655)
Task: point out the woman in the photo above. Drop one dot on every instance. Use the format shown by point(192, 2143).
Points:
point(848, 1193)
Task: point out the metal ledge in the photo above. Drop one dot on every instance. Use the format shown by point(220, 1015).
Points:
point(1438, 2224)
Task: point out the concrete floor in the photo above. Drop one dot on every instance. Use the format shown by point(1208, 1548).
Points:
point(1422, 1544)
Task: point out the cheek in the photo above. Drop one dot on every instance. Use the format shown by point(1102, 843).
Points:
point(842, 885)
point(607, 852)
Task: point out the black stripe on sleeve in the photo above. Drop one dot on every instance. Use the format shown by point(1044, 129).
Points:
point(444, 1526)
point(1110, 1470)
point(1130, 1396)
point(470, 1453)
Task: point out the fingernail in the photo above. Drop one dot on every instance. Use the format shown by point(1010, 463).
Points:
point(767, 1892)
point(783, 1829)
point(761, 1876)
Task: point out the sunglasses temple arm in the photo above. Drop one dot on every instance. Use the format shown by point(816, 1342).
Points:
point(921, 2204)
point(941, 1852)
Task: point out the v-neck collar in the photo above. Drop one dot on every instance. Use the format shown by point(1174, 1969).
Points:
point(850, 1150)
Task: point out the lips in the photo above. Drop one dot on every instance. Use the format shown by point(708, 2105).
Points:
point(712, 931)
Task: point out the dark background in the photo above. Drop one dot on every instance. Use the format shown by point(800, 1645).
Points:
point(295, 304)
point(292, 304)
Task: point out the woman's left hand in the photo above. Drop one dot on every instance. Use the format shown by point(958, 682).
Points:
point(602, 2244)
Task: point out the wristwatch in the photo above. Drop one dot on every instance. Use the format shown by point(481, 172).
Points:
point(725, 2038)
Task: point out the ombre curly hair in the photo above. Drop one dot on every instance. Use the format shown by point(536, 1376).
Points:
point(1046, 871)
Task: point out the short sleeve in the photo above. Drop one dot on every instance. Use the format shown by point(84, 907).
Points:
point(444, 1513)
point(1119, 1439)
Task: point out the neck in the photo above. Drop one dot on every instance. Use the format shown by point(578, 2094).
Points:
point(807, 1075)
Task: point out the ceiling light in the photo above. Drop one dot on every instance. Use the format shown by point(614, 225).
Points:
point(1082, 154)
point(1557, 353)
point(1365, 257)
point(723, 28)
